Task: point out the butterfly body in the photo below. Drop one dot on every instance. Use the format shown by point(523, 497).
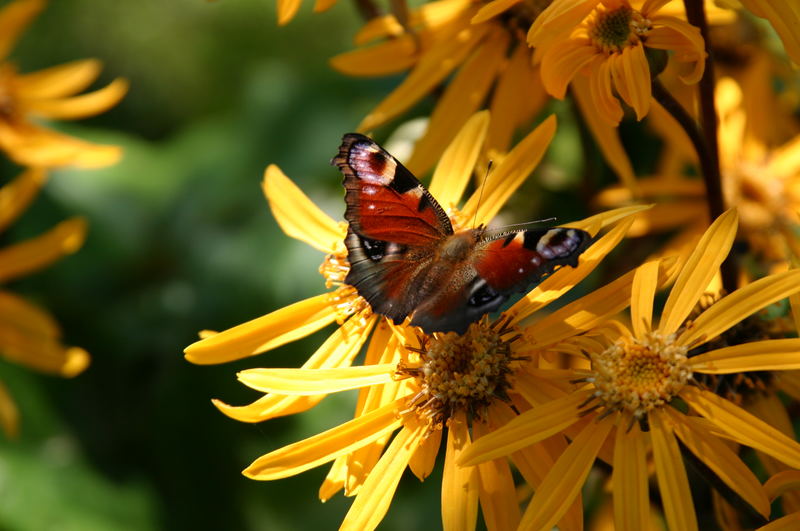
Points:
point(406, 259)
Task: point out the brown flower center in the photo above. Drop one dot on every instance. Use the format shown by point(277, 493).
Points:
point(464, 372)
point(612, 30)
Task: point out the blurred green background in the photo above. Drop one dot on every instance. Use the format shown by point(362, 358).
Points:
point(181, 239)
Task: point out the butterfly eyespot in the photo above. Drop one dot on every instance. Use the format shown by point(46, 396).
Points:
point(374, 249)
point(483, 296)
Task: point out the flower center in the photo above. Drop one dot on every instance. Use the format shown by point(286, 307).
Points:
point(345, 298)
point(612, 30)
point(464, 372)
point(639, 375)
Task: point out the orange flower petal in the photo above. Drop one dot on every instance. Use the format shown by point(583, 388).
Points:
point(645, 283)
point(671, 474)
point(492, 9)
point(464, 94)
point(58, 81)
point(431, 69)
point(18, 194)
point(9, 414)
point(781, 483)
point(566, 478)
point(785, 18)
point(323, 5)
point(389, 57)
point(326, 446)
point(562, 62)
point(424, 458)
point(82, 106)
point(36, 253)
point(14, 18)
point(31, 145)
point(789, 522)
point(637, 79)
point(497, 491)
point(287, 9)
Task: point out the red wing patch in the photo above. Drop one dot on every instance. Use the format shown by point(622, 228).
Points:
point(512, 263)
point(384, 200)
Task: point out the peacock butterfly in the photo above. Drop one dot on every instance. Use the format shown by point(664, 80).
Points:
point(405, 259)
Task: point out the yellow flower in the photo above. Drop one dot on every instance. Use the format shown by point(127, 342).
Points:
point(638, 379)
point(784, 17)
point(28, 335)
point(409, 382)
point(464, 44)
point(606, 39)
point(762, 182)
point(49, 94)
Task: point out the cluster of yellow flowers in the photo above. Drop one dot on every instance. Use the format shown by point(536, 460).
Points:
point(676, 359)
point(533, 399)
point(28, 334)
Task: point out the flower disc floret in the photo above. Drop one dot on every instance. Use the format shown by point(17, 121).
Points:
point(460, 373)
point(639, 375)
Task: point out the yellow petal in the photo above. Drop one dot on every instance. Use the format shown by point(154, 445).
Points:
point(39, 252)
point(629, 480)
point(637, 79)
point(645, 282)
point(556, 18)
point(517, 98)
point(334, 481)
point(268, 407)
point(742, 426)
point(18, 194)
point(510, 173)
point(588, 311)
point(389, 57)
point(424, 459)
point(785, 18)
point(671, 474)
point(532, 426)
point(31, 145)
point(459, 484)
point(727, 466)
point(323, 5)
point(743, 302)
point(566, 478)
point(326, 446)
point(464, 94)
point(29, 336)
point(781, 483)
point(316, 381)
point(297, 215)
point(9, 414)
point(497, 491)
point(373, 500)
point(555, 285)
point(14, 18)
point(562, 62)
point(265, 333)
point(698, 271)
point(58, 81)
point(789, 522)
point(606, 135)
point(492, 9)
point(287, 9)
point(453, 172)
point(431, 69)
point(82, 106)
point(766, 355)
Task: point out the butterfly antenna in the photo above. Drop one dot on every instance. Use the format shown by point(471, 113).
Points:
point(480, 196)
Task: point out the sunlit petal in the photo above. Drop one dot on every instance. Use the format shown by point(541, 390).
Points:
point(36, 253)
point(671, 475)
point(59, 81)
point(765, 355)
point(459, 484)
point(645, 282)
point(316, 381)
point(81, 106)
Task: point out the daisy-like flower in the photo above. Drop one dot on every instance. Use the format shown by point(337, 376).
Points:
point(606, 39)
point(477, 48)
point(29, 335)
point(763, 183)
point(640, 395)
point(409, 382)
point(49, 94)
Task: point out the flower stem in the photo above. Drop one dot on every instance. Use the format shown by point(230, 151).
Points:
point(368, 9)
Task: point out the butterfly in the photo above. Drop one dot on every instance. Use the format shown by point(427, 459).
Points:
point(406, 259)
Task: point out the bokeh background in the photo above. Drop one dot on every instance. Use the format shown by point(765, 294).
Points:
point(181, 239)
